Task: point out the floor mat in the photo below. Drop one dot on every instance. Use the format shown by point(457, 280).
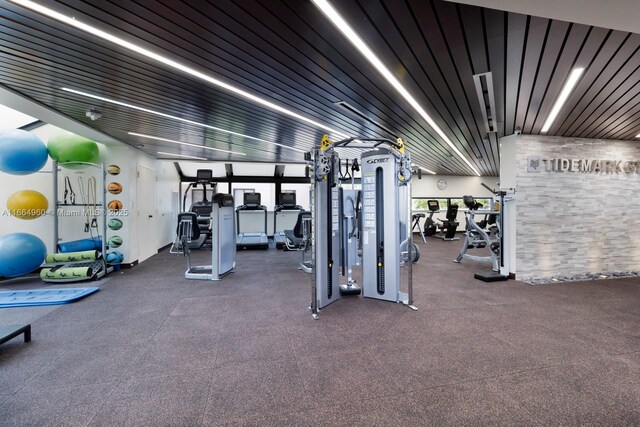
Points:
point(43, 296)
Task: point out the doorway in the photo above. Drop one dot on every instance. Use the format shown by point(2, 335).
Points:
point(147, 213)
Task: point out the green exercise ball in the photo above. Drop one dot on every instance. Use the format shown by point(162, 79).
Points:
point(115, 242)
point(114, 224)
point(68, 147)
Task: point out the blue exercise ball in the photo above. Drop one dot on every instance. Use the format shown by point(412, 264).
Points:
point(20, 253)
point(21, 152)
point(115, 257)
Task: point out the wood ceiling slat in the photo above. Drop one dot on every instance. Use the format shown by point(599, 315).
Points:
point(443, 67)
point(351, 101)
point(625, 96)
point(616, 120)
point(580, 48)
point(114, 123)
point(449, 24)
point(411, 136)
point(496, 47)
point(536, 38)
point(472, 20)
point(554, 48)
point(408, 58)
point(476, 29)
point(370, 31)
point(616, 48)
point(628, 129)
point(165, 90)
point(257, 78)
point(518, 26)
point(611, 93)
point(289, 52)
point(40, 71)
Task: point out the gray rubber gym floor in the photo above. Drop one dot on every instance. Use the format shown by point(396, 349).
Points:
point(154, 349)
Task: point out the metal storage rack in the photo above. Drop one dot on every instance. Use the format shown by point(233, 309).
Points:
point(98, 265)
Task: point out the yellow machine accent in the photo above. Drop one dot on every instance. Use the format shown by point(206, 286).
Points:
point(325, 142)
point(401, 143)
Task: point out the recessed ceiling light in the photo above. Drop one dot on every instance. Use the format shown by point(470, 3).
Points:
point(181, 155)
point(169, 62)
point(169, 116)
point(355, 39)
point(638, 136)
point(205, 147)
point(562, 98)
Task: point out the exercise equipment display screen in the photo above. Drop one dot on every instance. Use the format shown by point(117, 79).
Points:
point(288, 198)
point(204, 175)
point(251, 198)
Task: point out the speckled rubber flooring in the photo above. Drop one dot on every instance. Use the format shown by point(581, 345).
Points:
point(152, 348)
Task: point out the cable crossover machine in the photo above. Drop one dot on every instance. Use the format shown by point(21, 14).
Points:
point(382, 243)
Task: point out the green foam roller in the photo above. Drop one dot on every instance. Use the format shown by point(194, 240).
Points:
point(72, 257)
point(70, 273)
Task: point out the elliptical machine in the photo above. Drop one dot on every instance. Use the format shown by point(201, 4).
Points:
point(481, 234)
point(202, 208)
point(487, 233)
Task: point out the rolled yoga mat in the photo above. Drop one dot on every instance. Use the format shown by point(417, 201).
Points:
point(72, 257)
point(70, 273)
point(80, 245)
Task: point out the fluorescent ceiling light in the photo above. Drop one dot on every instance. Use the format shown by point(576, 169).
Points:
point(638, 136)
point(351, 35)
point(562, 98)
point(205, 147)
point(157, 113)
point(424, 169)
point(169, 62)
point(181, 155)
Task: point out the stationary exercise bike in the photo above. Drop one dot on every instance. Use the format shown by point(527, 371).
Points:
point(430, 226)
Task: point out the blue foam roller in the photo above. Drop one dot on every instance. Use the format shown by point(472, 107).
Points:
point(81, 245)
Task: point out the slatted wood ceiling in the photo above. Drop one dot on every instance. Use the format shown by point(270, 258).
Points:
point(288, 52)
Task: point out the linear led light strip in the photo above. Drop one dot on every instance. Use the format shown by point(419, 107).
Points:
point(562, 98)
point(169, 116)
point(424, 169)
point(171, 63)
point(181, 155)
point(355, 39)
point(206, 147)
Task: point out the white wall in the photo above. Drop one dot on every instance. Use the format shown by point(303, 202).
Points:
point(167, 184)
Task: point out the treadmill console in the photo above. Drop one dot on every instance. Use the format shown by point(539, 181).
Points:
point(252, 199)
point(288, 199)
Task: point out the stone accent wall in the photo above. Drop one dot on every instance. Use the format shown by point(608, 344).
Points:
point(576, 222)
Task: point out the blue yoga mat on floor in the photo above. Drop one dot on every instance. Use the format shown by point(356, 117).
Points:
point(43, 296)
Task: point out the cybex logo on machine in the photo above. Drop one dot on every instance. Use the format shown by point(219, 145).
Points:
point(537, 164)
point(379, 160)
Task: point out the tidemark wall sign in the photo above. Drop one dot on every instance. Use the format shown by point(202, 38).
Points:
point(538, 164)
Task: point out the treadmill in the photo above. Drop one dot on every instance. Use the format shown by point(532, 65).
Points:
point(286, 209)
point(253, 239)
